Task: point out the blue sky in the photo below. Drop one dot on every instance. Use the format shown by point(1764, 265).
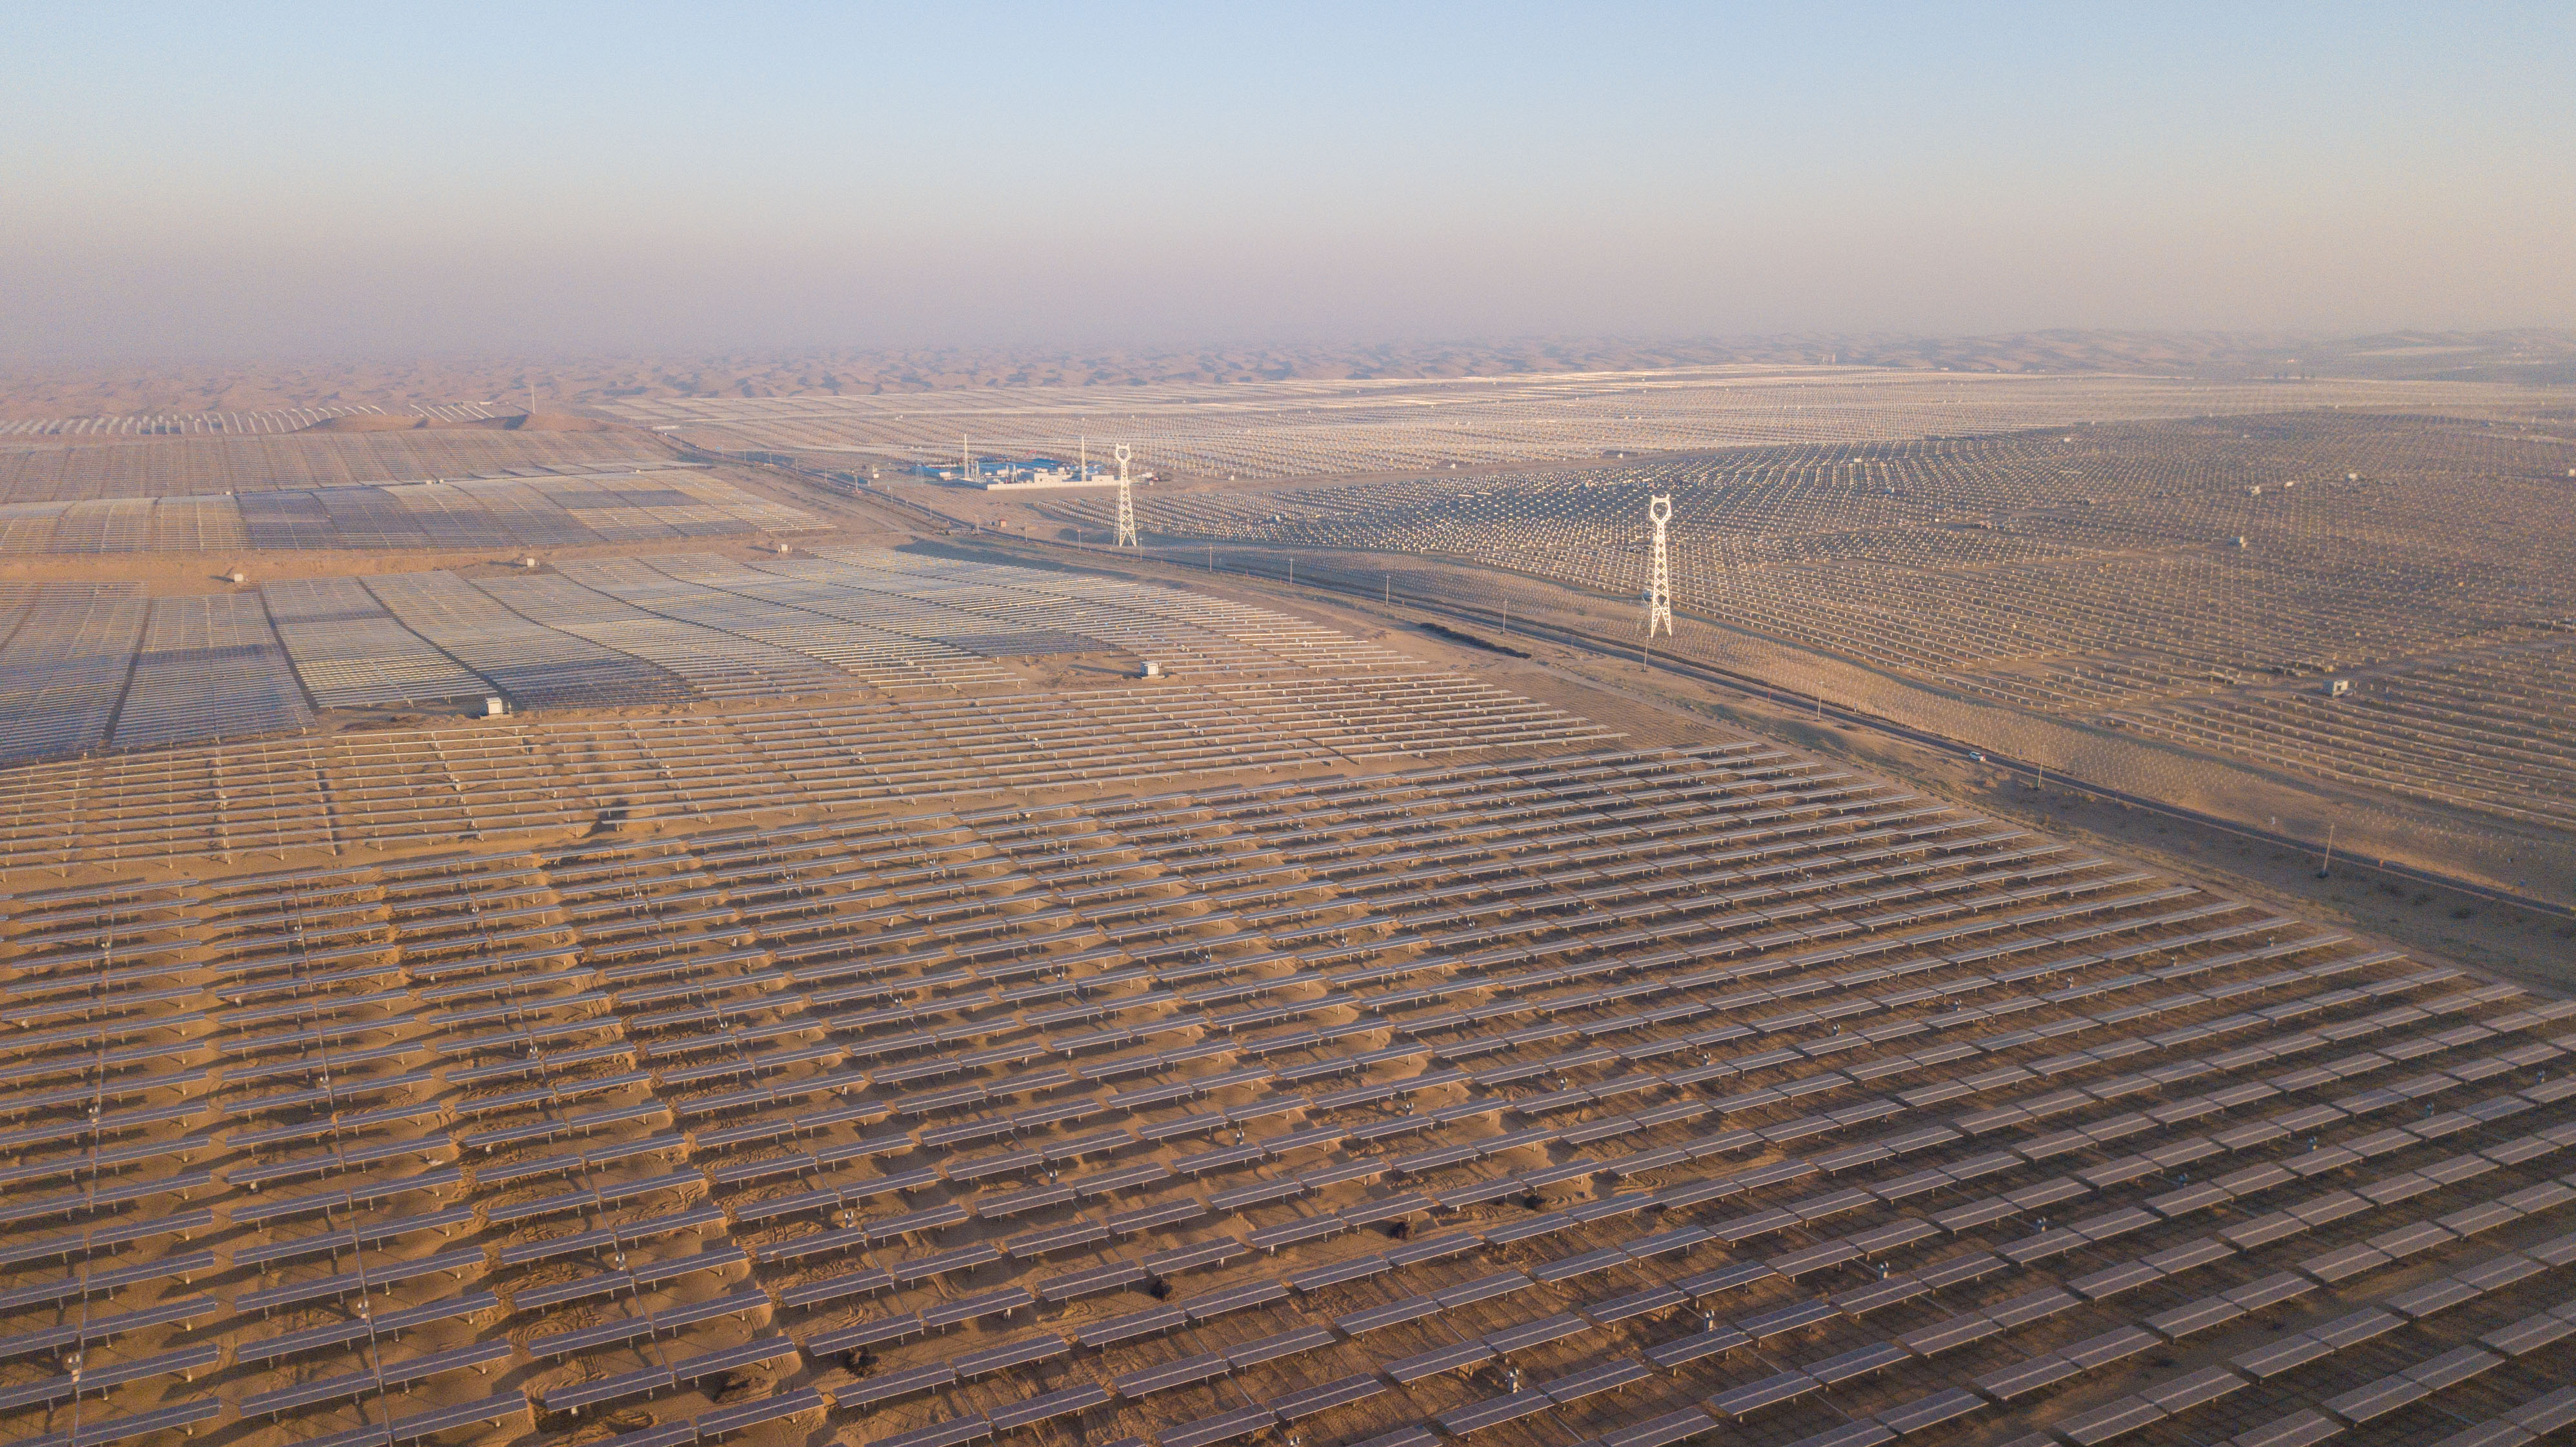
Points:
point(248, 179)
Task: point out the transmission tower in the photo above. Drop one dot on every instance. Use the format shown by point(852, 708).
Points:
point(1659, 578)
point(1126, 503)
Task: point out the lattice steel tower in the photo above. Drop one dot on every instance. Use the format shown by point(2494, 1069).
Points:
point(1659, 577)
point(1126, 504)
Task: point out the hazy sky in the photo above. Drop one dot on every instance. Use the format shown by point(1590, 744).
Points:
point(238, 179)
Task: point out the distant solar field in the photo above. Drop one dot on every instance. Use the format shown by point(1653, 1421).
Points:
point(536, 510)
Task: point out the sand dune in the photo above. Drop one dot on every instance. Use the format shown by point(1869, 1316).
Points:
point(516, 422)
point(568, 383)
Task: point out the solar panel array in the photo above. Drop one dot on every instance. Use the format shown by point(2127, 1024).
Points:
point(218, 466)
point(2482, 726)
point(1619, 1097)
point(669, 501)
point(351, 652)
point(525, 660)
point(714, 663)
point(63, 666)
point(234, 424)
point(794, 605)
point(209, 667)
point(1311, 428)
point(2114, 542)
point(608, 633)
point(2090, 575)
point(396, 788)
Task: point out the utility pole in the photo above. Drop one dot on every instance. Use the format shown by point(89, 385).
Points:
point(2325, 866)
